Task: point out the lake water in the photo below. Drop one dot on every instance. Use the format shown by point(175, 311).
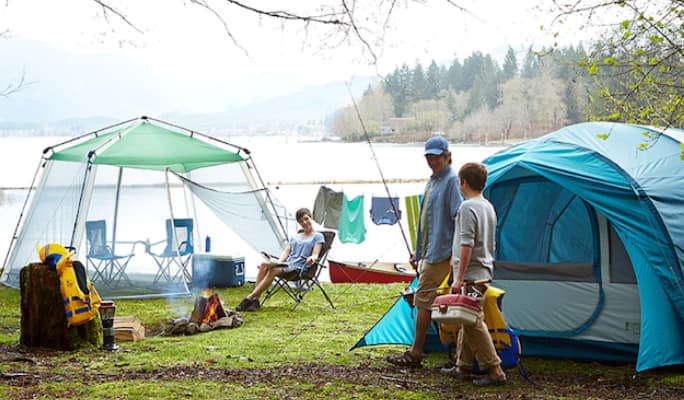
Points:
point(294, 171)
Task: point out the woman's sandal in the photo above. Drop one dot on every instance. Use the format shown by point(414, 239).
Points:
point(407, 359)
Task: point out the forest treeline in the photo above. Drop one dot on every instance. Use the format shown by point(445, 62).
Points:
point(474, 101)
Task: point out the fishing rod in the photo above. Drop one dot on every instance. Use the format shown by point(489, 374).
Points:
point(382, 176)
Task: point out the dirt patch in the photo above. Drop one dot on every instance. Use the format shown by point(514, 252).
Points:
point(546, 386)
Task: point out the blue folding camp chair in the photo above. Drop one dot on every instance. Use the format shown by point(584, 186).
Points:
point(108, 268)
point(177, 253)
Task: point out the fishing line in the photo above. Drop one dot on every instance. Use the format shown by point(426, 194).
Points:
point(394, 211)
point(382, 176)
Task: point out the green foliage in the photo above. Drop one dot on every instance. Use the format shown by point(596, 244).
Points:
point(638, 62)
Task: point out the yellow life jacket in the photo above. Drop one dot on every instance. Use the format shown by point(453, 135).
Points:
point(505, 340)
point(81, 300)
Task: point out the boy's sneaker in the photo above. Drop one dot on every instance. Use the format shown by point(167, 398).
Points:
point(490, 380)
point(458, 373)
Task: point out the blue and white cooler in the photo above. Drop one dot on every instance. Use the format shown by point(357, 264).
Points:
point(212, 270)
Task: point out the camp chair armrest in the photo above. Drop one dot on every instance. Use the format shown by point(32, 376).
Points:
point(148, 245)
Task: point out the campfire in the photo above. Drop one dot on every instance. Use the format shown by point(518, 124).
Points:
point(207, 314)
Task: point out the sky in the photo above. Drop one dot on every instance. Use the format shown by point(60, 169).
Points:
point(183, 42)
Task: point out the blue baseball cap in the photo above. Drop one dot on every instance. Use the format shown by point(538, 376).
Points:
point(436, 145)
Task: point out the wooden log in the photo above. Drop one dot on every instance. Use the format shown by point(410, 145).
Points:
point(43, 323)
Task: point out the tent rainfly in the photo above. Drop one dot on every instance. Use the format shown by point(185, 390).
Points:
point(590, 247)
point(137, 181)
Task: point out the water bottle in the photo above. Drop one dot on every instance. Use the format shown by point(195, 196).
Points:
point(207, 244)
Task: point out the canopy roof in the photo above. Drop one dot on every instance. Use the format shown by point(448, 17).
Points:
point(148, 146)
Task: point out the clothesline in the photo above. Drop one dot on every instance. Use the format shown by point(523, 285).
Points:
point(345, 182)
point(333, 210)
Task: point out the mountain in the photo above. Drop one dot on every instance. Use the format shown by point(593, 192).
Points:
point(66, 92)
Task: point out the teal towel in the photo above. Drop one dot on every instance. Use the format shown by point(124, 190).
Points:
point(352, 228)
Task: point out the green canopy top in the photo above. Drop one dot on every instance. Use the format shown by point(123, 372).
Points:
point(148, 146)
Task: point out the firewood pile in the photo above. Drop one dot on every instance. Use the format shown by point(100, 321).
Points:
point(207, 314)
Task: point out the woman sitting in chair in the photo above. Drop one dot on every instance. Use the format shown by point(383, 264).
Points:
point(302, 251)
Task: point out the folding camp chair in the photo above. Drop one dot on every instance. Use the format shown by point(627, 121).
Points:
point(178, 251)
point(108, 268)
point(298, 283)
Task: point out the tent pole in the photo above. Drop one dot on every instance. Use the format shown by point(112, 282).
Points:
point(88, 170)
point(116, 209)
point(87, 134)
point(175, 246)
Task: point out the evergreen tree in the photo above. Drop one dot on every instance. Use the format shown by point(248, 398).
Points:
point(510, 66)
point(398, 86)
point(530, 67)
point(471, 68)
point(418, 83)
point(484, 90)
point(433, 81)
point(454, 76)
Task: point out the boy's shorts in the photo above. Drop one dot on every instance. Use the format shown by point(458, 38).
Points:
point(432, 276)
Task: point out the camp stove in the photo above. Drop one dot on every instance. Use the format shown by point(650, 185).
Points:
point(107, 310)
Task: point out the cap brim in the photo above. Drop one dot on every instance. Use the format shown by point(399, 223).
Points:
point(434, 152)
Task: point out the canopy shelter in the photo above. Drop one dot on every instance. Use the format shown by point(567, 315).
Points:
point(135, 198)
point(590, 246)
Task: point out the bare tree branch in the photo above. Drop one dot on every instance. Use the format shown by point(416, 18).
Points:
point(355, 28)
point(204, 4)
point(14, 87)
point(106, 9)
point(331, 18)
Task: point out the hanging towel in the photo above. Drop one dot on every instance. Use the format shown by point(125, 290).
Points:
point(352, 228)
point(381, 211)
point(412, 215)
point(327, 207)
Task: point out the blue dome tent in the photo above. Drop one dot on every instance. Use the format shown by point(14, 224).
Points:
point(590, 247)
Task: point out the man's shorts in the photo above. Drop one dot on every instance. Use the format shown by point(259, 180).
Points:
point(431, 277)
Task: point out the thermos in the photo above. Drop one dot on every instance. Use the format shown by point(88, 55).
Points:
point(207, 244)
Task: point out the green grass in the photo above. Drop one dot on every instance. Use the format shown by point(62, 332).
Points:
point(253, 361)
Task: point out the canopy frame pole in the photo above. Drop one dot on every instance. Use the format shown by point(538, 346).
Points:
point(21, 214)
point(117, 197)
point(93, 133)
point(177, 258)
point(80, 198)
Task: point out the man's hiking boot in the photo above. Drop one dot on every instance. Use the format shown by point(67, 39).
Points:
point(406, 359)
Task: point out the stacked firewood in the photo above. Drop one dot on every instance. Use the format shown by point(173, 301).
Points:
point(207, 314)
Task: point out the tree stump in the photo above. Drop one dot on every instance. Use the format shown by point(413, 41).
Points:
point(43, 323)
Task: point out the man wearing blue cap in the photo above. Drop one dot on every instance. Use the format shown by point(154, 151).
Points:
point(441, 200)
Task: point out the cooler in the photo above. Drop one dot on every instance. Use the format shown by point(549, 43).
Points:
point(212, 270)
point(455, 309)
